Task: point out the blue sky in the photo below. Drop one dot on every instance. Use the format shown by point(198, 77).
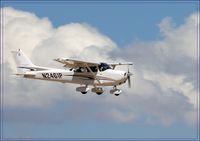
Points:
point(124, 23)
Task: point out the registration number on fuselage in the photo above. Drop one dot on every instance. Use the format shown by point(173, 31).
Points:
point(52, 75)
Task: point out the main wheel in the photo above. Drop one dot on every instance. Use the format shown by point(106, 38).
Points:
point(99, 93)
point(116, 94)
point(83, 92)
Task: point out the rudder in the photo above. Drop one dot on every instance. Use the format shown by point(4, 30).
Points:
point(21, 59)
point(22, 62)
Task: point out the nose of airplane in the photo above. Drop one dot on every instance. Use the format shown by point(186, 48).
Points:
point(122, 74)
point(125, 76)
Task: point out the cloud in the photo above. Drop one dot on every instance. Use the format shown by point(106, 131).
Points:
point(74, 40)
point(42, 43)
point(164, 86)
point(166, 72)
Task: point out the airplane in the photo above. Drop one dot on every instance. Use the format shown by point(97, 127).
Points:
point(79, 72)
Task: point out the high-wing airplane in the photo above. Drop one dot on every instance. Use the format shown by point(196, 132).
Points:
point(79, 72)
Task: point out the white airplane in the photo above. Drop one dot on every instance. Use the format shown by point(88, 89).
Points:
point(78, 72)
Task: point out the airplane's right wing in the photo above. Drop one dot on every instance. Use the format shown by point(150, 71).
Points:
point(118, 64)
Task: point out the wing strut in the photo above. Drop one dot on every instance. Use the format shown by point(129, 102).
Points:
point(92, 73)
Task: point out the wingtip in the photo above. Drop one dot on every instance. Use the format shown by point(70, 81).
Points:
point(56, 59)
point(14, 51)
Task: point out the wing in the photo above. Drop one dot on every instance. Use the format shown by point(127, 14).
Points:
point(71, 63)
point(118, 64)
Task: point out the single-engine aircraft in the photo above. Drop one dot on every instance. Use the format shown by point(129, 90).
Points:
point(79, 72)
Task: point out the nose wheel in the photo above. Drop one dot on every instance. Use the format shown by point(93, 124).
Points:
point(115, 91)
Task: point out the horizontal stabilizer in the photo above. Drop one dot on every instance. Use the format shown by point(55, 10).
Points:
point(35, 68)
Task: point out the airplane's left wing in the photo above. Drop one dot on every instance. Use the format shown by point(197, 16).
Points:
point(71, 63)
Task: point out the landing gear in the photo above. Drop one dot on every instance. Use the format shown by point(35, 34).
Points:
point(83, 90)
point(97, 90)
point(115, 91)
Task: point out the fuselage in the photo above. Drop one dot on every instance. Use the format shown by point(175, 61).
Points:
point(108, 77)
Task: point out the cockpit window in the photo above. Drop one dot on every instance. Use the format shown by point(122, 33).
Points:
point(80, 69)
point(104, 66)
point(93, 68)
point(84, 69)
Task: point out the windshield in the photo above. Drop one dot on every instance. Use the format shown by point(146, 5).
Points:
point(104, 66)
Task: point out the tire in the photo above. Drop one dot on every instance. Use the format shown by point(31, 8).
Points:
point(83, 92)
point(98, 93)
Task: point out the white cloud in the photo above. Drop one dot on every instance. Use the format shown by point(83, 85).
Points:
point(42, 43)
point(73, 40)
point(173, 82)
point(180, 40)
point(166, 73)
point(163, 86)
point(23, 30)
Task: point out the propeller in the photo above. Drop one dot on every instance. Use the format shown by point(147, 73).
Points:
point(128, 77)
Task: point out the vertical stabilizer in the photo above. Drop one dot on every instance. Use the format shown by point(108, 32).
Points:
point(21, 59)
point(23, 63)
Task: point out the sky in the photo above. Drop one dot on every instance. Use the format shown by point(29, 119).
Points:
point(159, 37)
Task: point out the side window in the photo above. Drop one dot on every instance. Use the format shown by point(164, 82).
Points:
point(80, 69)
point(94, 69)
point(100, 68)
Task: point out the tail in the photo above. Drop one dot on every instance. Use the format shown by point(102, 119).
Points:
point(22, 61)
